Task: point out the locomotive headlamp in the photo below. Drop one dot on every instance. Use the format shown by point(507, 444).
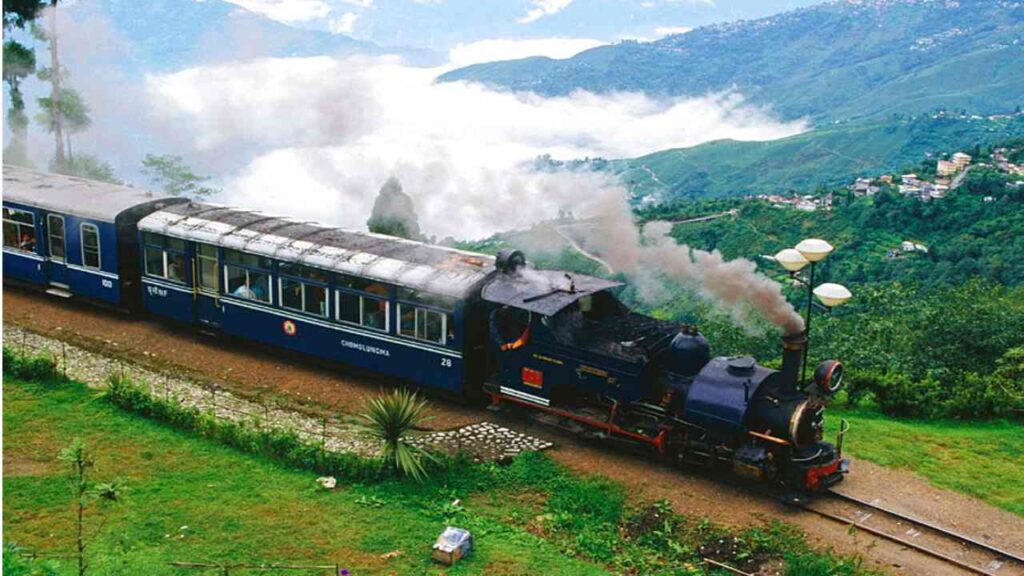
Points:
point(814, 249)
point(828, 377)
point(832, 295)
point(791, 259)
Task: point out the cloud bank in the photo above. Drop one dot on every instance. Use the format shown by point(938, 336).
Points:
point(332, 131)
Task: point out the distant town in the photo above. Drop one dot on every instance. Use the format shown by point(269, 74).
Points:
point(948, 175)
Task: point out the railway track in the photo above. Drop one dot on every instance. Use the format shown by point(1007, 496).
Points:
point(962, 551)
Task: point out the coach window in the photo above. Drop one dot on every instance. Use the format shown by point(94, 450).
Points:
point(90, 246)
point(206, 256)
point(19, 230)
point(303, 288)
point(247, 275)
point(363, 302)
point(416, 320)
point(55, 227)
point(165, 256)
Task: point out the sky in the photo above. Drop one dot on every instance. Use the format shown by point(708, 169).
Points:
point(316, 137)
point(444, 24)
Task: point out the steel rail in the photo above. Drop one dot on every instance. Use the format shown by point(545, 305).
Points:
point(930, 526)
point(861, 525)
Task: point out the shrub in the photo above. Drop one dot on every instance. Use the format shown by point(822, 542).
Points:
point(389, 418)
point(39, 367)
point(15, 563)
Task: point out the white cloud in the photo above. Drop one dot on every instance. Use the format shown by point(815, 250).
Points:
point(510, 49)
point(543, 8)
point(287, 11)
point(669, 30)
point(343, 24)
point(332, 131)
point(359, 3)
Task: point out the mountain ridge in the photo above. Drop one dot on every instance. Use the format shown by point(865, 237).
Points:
point(840, 60)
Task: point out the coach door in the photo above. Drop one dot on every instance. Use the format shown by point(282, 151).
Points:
point(56, 246)
point(206, 279)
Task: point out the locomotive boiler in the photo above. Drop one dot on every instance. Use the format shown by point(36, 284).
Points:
point(564, 346)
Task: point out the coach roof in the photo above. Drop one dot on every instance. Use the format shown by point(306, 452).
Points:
point(71, 195)
point(406, 263)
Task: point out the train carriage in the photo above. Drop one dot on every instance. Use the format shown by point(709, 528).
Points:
point(386, 304)
point(74, 236)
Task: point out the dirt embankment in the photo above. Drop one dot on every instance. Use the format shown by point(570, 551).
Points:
point(256, 372)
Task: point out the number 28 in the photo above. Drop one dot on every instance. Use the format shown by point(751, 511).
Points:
point(446, 362)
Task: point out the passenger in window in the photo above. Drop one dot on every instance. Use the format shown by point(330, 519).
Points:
point(243, 291)
point(28, 242)
point(176, 268)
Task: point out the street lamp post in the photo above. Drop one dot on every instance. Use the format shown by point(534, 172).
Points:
point(811, 251)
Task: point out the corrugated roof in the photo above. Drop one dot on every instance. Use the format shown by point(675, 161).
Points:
point(72, 195)
point(542, 291)
point(435, 269)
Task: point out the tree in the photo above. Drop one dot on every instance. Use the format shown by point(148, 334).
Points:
point(19, 12)
point(393, 213)
point(170, 172)
point(19, 62)
point(88, 166)
point(72, 117)
point(389, 418)
point(85, 493)
point(55, 74)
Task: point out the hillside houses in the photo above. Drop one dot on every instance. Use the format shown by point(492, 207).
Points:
point(999, 157)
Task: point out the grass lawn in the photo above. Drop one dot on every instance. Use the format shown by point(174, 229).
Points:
point(190, 499)
point(193, 499)
point(982, 459)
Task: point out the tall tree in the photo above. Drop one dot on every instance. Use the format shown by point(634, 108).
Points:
point(55, 75)
point(19, 62)
point(177, 179)
point(73, 116)
point(55, 92)
point(394, 213)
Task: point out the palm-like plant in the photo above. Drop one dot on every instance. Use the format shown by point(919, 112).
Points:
point(389, 418)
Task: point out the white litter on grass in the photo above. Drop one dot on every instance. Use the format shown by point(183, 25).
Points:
point(327, 482)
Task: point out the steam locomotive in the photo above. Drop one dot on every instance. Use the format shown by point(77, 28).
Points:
point(558, 344)
point(566, 347)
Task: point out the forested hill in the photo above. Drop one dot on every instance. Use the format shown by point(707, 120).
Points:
point(841, 60)
point(830, 155)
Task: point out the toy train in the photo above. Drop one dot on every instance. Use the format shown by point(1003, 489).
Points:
point(558, 344)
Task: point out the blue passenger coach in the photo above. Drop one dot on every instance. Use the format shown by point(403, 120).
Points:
point(386, 304)
point(74, 236)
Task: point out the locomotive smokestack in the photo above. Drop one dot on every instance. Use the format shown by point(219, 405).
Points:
point(793, 347)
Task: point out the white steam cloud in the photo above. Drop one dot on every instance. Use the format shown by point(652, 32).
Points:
point(335, 130)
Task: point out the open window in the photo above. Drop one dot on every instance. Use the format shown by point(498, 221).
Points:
point(164, 257)
point(247, 275)
point(19, 230)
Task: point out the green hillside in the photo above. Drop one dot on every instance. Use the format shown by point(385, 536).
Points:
point(828, 156)
point(835, 61)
